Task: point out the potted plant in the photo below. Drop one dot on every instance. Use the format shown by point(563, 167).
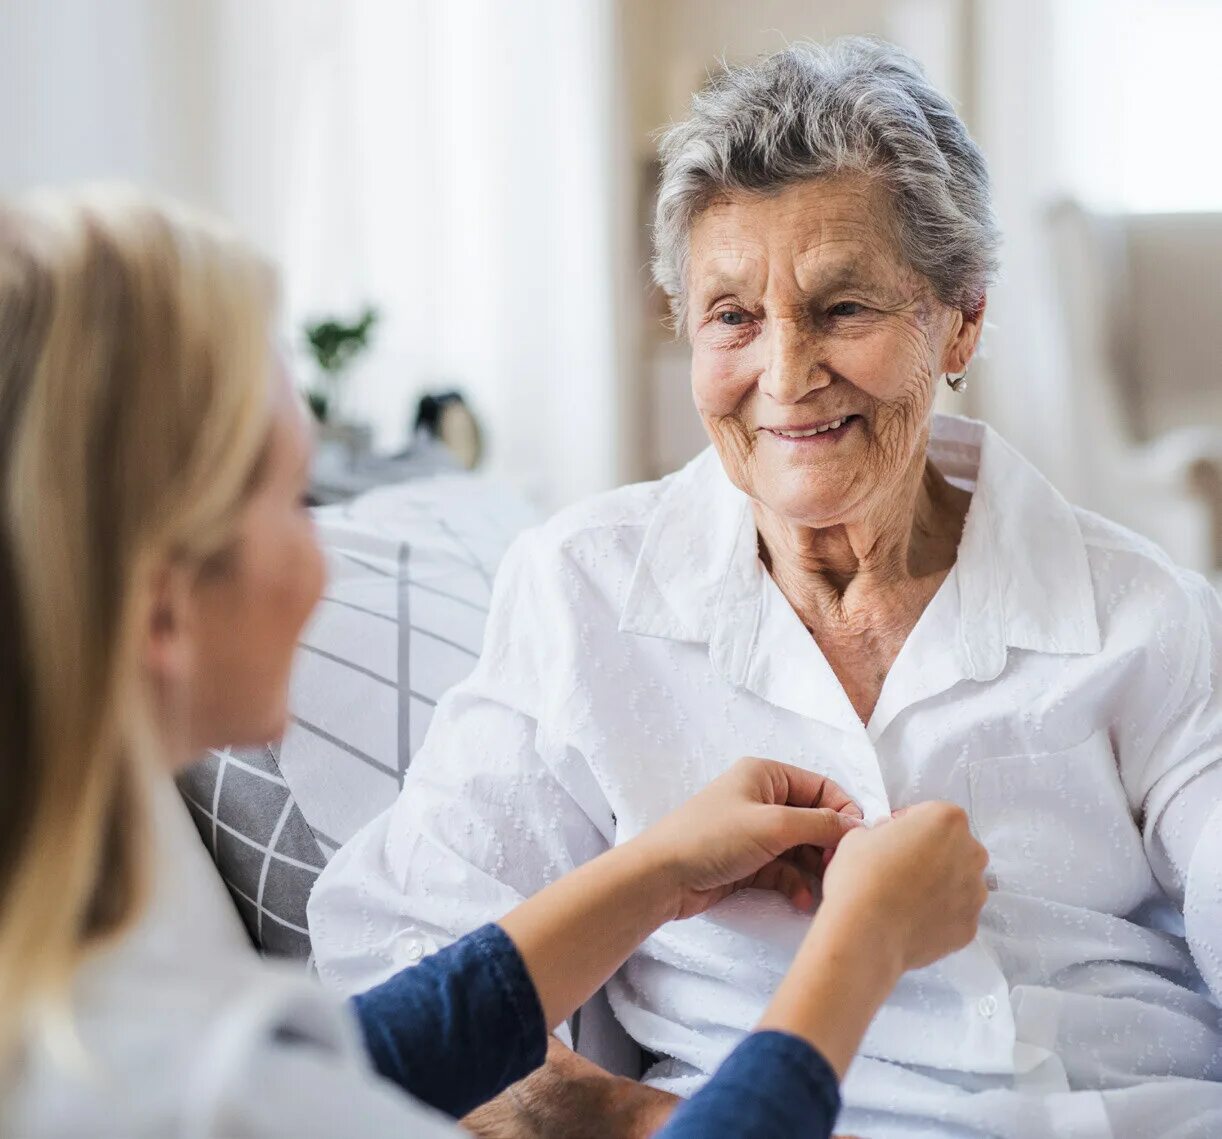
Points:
point(334, 344)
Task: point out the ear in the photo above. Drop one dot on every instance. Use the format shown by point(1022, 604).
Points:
point(963, 345)
point(168, 651)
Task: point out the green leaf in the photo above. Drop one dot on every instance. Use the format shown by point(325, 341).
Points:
point(334, 344)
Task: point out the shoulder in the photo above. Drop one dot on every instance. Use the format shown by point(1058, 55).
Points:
point(591, 545)
point(199, 1028)
point(626, 510)
point(619, 519)
point(1153, 611)
point(1134, 576)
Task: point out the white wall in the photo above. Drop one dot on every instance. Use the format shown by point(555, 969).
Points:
point(89, 90)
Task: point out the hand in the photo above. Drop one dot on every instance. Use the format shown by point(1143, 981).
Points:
point(572, 1098)
point(918, 880)
point(763, 824)
point(642, 1111)
point(618, 1108)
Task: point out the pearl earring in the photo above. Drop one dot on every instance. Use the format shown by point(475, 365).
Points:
point(957, 383)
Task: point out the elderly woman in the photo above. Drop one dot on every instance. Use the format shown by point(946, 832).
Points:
point(852, 584)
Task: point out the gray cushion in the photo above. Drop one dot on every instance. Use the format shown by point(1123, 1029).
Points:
point(402, 620)
point(258, 837)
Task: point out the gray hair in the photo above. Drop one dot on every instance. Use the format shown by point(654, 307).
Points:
point(856, 105)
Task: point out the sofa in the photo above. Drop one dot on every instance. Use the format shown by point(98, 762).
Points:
point(410, 570)
point(1138, 298)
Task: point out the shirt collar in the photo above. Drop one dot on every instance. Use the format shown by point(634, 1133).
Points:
point(1022, 572)
point(700, 538)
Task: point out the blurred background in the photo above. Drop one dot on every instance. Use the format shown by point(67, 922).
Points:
point(479, 174)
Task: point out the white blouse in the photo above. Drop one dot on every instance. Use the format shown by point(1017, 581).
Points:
point(1062, 686)
point(181, 1032)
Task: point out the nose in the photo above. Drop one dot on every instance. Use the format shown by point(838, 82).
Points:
point(794, 366)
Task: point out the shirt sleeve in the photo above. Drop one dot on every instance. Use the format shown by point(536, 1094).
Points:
point(773, 1086)
point(1182, 810)
point(491, 809)
point(458, 1028)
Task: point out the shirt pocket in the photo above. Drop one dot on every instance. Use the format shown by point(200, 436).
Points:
point(1058, 826)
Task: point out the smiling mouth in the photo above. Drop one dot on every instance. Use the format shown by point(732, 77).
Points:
point(831, 427)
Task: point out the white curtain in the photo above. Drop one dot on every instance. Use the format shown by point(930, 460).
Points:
point(1140, 105)
point(1021, 382)
point(450, 162)
point(1106, 101)
point(452, 165)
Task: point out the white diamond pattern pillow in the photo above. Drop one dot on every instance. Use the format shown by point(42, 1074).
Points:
point(402, 620)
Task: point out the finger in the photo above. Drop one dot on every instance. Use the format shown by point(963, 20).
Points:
point(810, 789)
point(783, 877)
point(809, 859)
point(858, 833)
point(812, 826)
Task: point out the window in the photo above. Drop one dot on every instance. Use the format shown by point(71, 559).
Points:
point(1142, 103)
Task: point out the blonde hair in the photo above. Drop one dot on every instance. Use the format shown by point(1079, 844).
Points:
point(135, 370)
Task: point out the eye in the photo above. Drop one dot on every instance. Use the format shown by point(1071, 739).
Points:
point(846, 308)
point(732, 318)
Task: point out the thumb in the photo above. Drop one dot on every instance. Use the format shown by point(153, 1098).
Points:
point(815, 826)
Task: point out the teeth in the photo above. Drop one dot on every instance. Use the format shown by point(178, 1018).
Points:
point(813, 431)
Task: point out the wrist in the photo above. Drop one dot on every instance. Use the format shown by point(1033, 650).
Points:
point(656, 874)
point(841, 975)
point(637, 1111)
point(872, 942)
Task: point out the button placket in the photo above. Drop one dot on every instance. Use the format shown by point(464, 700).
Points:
point(865, 760)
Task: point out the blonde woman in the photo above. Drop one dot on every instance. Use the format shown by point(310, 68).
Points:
point(156, 566)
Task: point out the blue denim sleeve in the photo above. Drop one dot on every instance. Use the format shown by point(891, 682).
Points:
point(772, 1086)
point(460, 1027)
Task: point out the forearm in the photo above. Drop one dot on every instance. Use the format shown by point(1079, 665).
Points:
point(1186, 856)
point(842, 974)
point(1203, 903)
point(578, 931)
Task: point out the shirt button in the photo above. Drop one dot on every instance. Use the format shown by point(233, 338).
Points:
point(409, 952)
point(986, 1006)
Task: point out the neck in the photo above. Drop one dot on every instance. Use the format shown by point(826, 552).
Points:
point(176, 742)
point(908, 539)
point(176, 753)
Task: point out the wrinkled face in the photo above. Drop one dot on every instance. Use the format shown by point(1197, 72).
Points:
point(815, 348)
point(246, 618)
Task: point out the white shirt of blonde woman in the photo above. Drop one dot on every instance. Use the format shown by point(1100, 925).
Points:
point(1062, 686)
point(182, 1032)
